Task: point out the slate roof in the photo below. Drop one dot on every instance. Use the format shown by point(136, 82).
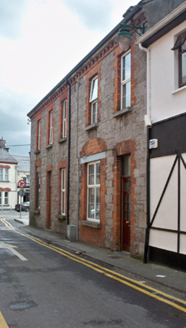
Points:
point(5, 157)
point(23, 163)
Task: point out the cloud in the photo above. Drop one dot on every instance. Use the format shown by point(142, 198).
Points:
point(11, 15)
point(95, 15)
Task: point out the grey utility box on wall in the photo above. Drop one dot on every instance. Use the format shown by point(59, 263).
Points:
point(71, 232)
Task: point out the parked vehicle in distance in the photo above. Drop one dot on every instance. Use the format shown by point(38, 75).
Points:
point(25, 206)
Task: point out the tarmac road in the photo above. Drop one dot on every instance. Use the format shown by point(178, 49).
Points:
point(43, 285)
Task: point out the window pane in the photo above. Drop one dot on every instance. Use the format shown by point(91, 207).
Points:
point(91, 174)
point(94, 112)
point(94, 89)
point(98, 173)
point(6, 198)
point(183, 70)
point(6, 174)
point(126, 169)
point(126, 67)
point(98, 203)
point(126, 95)
point(91, 203)
point(0, 198)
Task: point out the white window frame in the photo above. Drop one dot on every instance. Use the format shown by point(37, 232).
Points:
point(94, 99)
point(63, 191)
point(125, 82)
point(51, 127)
point(1, 174)
point(6, 197)
point(39, 135)
point(95, 187)
point(6, 175)
point(0, 197)
point(64, 119)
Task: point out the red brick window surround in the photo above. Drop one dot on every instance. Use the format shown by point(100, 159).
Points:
point(37, 187)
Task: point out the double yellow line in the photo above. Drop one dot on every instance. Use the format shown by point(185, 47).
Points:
point(7, 224)
point(150, 291)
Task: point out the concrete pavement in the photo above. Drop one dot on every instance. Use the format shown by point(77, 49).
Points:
point(152, 273)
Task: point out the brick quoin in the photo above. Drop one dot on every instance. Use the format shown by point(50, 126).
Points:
point(123, 148)
point(90, 234)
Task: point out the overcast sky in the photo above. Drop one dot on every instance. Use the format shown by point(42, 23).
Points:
point(40, 42)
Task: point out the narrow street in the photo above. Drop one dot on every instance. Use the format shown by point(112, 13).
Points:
point(43, 285)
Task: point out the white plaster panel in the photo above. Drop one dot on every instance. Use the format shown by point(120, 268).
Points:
point(166, 216)
point(183, 196)
point(164, 76)
point(163, 240)
point(183, 244)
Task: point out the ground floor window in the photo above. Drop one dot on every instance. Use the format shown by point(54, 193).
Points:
point(93, 191)
point(6, 198)
point(0, 198)
point(38, 188)
point(63, 180)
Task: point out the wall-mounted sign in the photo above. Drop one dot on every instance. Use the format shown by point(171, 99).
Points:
point(153, 143)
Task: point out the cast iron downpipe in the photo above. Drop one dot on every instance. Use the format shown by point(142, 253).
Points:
point(69, 138)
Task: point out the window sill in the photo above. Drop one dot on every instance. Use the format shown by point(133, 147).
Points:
point(62, 140)
point(37, 151)
point(61, 217)
point(4, 181)
point(49, 146)
point(122, 112)
point(90, 224)
point(91, 127)
point(37, 211)
point(178, 90)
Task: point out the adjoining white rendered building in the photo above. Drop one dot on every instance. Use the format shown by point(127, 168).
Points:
point(12, 169)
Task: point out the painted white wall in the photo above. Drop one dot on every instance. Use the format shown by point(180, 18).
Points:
point(167, 215)
point(12, 184)
point(166, 99)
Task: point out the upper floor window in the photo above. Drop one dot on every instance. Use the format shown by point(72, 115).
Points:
point(126, 81)
point(6, 174)
point(180, 45)
point(51, 127)
point(94, 100)
point(93, 191)
point(38, 134)
point(64, 119)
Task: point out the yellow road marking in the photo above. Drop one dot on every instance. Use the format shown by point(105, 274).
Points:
point(114, 275)
point(6, 223)
point(2, 321)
